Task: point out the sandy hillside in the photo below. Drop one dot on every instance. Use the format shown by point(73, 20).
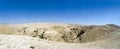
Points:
point(59, 36)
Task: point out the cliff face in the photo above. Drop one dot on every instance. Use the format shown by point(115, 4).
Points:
point(70, 33)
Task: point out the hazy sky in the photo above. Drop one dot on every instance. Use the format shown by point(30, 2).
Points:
point(60, 11)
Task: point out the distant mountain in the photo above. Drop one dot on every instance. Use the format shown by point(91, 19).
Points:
point(113, 25)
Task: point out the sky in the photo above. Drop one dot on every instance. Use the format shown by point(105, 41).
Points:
point(60, 11)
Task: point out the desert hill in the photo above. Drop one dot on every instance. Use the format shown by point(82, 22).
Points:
point(59, 36)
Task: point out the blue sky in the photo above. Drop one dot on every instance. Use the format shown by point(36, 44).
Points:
point(60, 11)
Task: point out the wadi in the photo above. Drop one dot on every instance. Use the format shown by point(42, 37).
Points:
point(59, 36)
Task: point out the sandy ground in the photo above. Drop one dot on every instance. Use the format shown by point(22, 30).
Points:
point(26, 42)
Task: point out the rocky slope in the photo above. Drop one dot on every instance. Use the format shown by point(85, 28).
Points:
point(59, 36)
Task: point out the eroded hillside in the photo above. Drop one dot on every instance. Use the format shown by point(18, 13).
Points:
point(70, 33)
